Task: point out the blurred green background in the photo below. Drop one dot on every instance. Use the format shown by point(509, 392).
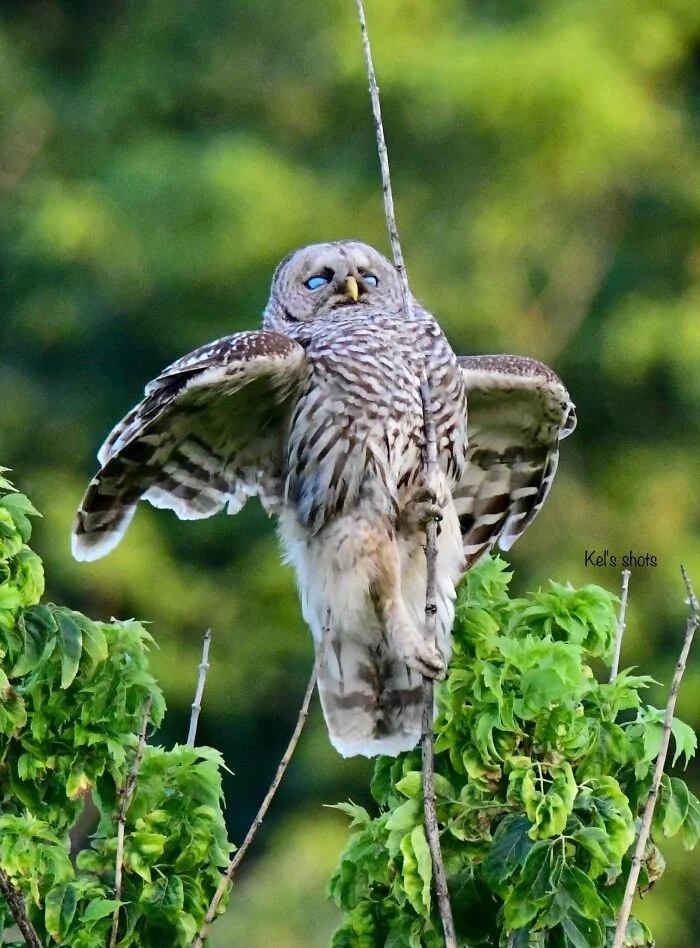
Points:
point(157, 159)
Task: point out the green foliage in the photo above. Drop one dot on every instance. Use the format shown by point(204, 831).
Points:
point(541, 773)
point(158, 159)
point(72, 696)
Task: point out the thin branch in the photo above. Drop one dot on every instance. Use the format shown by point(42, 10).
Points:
point(431, 825)
point(227, 877)
point(648, 814)
point(15, 901)
point(621, 625)
point(201, 681)
point(125, 796)
point(432, 831)
point(389, 211)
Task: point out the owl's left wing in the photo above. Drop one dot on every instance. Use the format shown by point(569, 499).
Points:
point(209, 432)
point(518, 411)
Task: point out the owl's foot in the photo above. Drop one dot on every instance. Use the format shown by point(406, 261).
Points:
point(403, 638)
point(422, 506)
point(418, 654)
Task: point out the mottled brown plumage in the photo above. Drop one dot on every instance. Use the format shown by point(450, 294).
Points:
point(320, 415)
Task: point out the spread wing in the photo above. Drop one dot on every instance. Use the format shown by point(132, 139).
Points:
point(209, 432)
point(517, 413)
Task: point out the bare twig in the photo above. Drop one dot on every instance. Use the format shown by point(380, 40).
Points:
point(125, 796)
point(389, 212)
point(201, 681)
point(621, 625)
point(648, 814)
point(15, 901)
point(432, 831)
point(431, 826)
point(227, 877)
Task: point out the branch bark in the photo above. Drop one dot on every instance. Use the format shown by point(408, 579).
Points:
point(227, 877)
point(621, 625)
point(648, 814)
point(125, 796)
point(15, 901)
point(201, 681)
point(432, 830)
point(431, 825)
point(389, 212)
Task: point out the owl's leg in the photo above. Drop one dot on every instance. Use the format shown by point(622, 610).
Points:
point(403, 638)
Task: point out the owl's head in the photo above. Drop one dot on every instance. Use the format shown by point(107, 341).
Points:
point(318, 279)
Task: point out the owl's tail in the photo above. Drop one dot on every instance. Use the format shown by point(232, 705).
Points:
point(372, 701)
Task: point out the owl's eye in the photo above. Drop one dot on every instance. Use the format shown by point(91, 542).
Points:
point(371, 279)
point(316, 281)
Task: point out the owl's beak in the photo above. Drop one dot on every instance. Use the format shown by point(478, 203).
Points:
point(352, 290)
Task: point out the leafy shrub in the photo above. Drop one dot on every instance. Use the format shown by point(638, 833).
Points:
point(73, 695)
point(541, 774)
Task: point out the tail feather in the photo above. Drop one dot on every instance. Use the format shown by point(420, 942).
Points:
point(372, 702)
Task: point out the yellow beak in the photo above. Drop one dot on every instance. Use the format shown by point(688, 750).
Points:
point(351, 289)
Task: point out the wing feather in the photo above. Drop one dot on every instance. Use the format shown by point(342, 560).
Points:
point(209, 433)
point(518, 411)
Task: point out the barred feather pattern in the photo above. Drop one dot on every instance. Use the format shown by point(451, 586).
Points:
point(209, 433)
point(320, 415)
point(355, 461)
point(519, 411)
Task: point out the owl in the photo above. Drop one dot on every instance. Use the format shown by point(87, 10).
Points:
point(319, 414)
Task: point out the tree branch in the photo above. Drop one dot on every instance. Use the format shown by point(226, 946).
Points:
point(648, 814)
point(389, 211)
point(15, 901)
point(227, 877)
point(201, 681)
point(125, 796)
point(431, 825)
point(432, 831)
point(621, 625)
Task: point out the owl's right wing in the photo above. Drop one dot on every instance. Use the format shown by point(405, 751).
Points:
point(518, 411)
point(210, 431)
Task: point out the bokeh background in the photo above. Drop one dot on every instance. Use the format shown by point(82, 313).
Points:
point(157, 159)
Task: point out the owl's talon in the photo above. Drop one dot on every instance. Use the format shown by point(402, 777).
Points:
point(428, 661)
point(421, 508)
point(418, 654)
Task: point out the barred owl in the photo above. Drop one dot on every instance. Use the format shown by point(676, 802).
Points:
point(320, 416)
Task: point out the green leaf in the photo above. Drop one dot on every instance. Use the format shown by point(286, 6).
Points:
point(163, 900)
point(411, 785)
point(582, 932)
point(672, 806)
point(509, 850)
point(405, 816)
point(71, 644)
point(359, 815)
point(580, 893)
point(78, 784)
point(536, 886)
point(29, 576)
point(94, 641)
point(594, 841)
point(417, 870)
point(148, 844)
point(100, 908)
point(19, 507)
point(637, 935)
point(443, 788)
point(59, 909)
point(37, 625)
point(686, 741)
point(690, 830)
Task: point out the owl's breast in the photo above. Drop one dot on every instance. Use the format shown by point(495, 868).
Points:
point(356, 435)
